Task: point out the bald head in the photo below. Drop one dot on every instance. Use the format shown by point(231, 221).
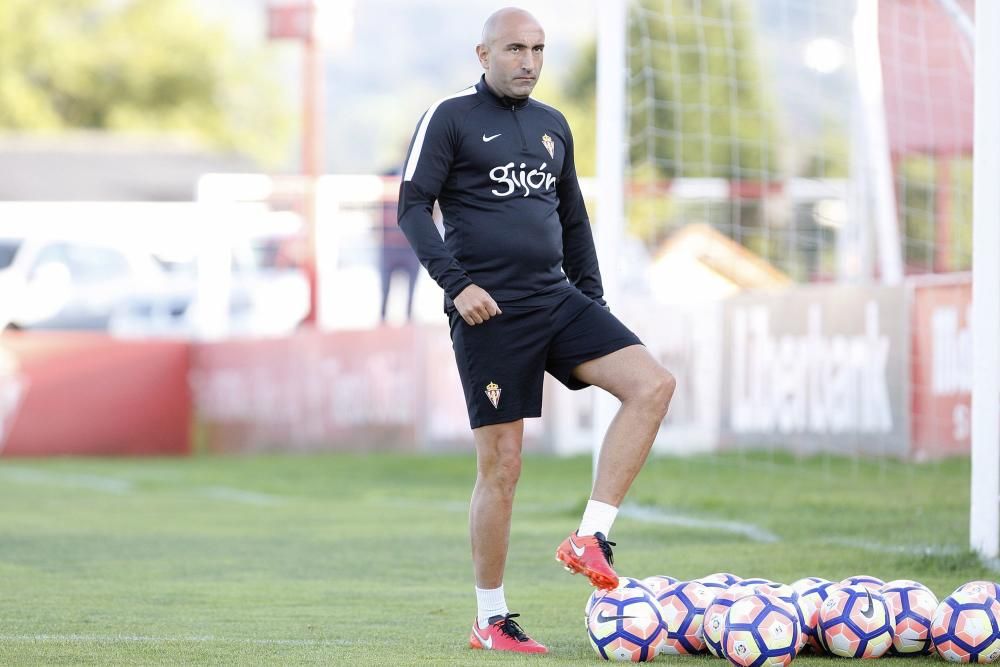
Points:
point(499, 20)
point(511, 52)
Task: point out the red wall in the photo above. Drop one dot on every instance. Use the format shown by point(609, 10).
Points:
point(76, 393)
point(397, 388)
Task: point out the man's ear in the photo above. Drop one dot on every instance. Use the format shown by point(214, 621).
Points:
point(483, 53)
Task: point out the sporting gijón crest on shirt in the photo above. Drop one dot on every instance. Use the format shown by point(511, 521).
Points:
point(503, 172)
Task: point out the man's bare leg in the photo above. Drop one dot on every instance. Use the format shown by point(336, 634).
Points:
point(498, 463)
point(645, 389)
point(498, 467)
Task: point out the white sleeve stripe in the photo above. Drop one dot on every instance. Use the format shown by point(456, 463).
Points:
point(418, 143)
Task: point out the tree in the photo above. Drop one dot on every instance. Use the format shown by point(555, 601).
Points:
point(136, 65)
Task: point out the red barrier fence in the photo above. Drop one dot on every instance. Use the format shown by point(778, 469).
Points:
point(77, 393)
point(312, 390)
point(862, 370)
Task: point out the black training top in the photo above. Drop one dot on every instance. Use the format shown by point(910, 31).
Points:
point(503, 173)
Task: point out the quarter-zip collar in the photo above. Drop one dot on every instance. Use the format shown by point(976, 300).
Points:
point(499, 100)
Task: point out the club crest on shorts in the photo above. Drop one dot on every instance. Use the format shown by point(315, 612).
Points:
point(550, 145)
point(493, 393)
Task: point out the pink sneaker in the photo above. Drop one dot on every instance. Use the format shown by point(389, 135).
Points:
point(589, 555)
point(503, 634)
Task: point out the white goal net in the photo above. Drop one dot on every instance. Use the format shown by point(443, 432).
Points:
point(824, 148)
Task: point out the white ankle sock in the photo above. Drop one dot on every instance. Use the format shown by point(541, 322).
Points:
point(491, 603)
point(597, 518)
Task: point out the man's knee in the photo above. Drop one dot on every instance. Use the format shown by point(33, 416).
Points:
point(504, 472)
point(499, 459)
point(657, 391)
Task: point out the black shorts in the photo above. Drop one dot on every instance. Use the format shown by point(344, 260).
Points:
point(502, 362)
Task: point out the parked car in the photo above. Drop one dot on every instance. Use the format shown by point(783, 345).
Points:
point(258, 301)
point(146, 272)
point(67, 281)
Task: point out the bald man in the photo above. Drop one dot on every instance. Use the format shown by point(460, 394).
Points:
point(524, 297)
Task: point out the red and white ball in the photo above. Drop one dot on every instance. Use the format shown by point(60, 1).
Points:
point(713, 623)
point(812, 592)
point(659, 583)
point(682, 607)
point(865, 581)
point(625, 625)
point(760, 631)
point(980, 590)
point(964, 628)
point(913, 606)
point(855, 622)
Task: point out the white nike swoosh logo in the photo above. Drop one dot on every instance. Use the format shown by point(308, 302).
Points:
point(487, 643)
point(577, 550)
point(489, 139)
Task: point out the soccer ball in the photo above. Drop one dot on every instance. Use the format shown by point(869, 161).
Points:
point(682, 607)
point(979, 590)
point(625, 624)
point(760, 630)
point(965, 629)
point(720, 578)
point(805, 611)
point(806, 582)
point(597, 594)
point(900, 583)
point(812, 591)
point(632, 582)
point(855, 622)
point(713, 623)
point(659, 583)
point(865, 581)
point(913, 606)
point(714, 587)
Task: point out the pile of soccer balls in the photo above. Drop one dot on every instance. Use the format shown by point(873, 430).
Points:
point(755, 622)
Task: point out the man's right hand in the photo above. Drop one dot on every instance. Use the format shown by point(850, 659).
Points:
point(475, 305)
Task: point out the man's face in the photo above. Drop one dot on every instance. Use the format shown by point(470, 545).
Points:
point(513, 57)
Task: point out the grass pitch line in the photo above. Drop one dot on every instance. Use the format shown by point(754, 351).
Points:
point(642, 513)
point(906, 549)
point(241, 496)
point(67, 480)
point(655, 515)
point(141, 639)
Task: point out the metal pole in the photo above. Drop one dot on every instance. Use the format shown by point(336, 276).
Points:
point(869, 68)
point(312, 152)
point(984, 508)
point(611, 143)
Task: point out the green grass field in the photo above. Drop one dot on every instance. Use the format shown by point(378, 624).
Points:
point(364, 560)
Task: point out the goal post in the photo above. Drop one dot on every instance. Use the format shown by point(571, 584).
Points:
point(611, 106)
point(984, 510)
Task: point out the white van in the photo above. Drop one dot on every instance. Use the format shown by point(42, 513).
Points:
point(141, 269)
point(55, 277)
